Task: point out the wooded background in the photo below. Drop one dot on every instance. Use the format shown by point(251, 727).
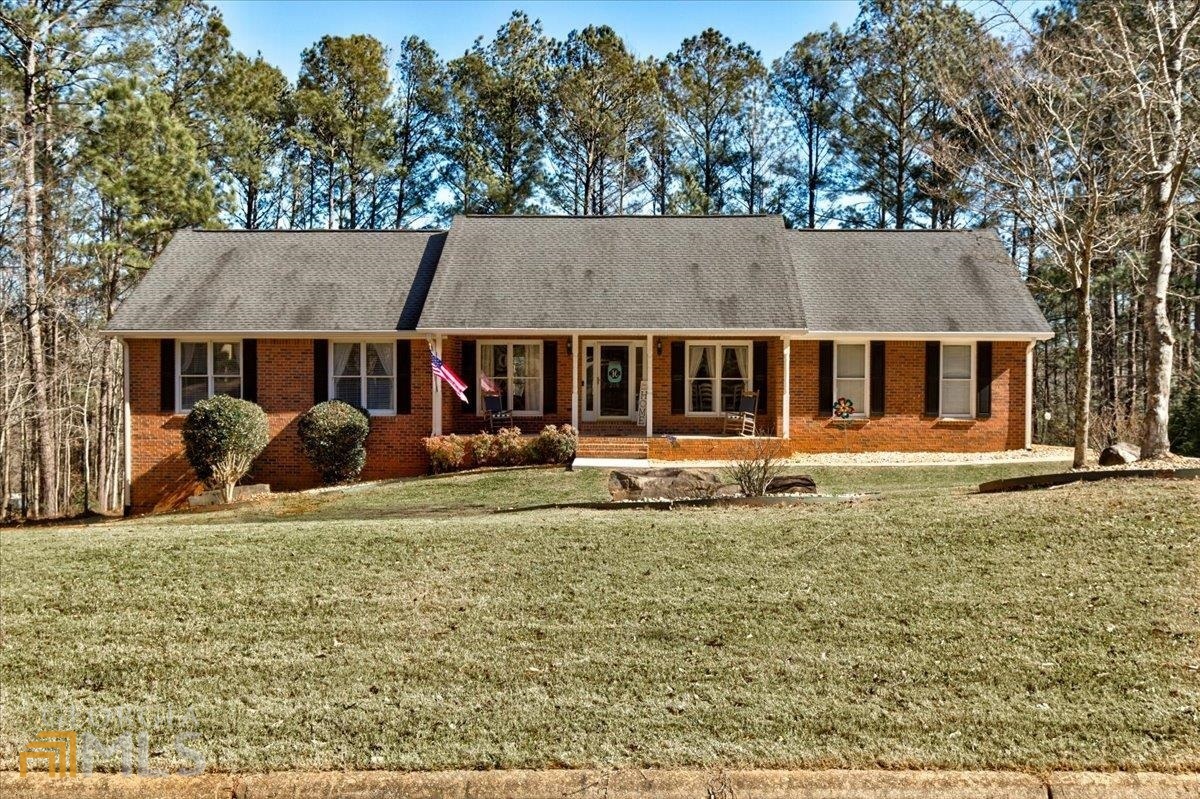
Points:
point(1072, 131)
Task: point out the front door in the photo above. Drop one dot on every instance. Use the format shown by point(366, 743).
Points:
point(614, 381)
point(611, 372)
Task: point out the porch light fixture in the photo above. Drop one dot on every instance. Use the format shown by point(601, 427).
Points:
point(570, 349)
point(658, 346)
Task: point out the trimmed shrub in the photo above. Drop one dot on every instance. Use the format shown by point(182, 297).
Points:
point(482, 450)
point(446, 453)
point(332, 435)
point(511, 449)
point(221, 438)
point(555, 444)
point(506, 448)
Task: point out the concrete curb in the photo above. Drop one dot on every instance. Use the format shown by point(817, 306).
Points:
point(623, 784)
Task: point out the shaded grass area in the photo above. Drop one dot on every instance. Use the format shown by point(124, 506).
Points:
point(483, 492)
point(926, 628)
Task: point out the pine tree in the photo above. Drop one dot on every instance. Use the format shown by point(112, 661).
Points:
point(709, 80)
point(810, 88)
point(341, 102)
point(251, 106)
point(499, 94)
point(421, 104)
point(599, 95)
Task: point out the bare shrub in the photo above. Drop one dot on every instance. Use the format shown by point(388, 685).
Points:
point(754, 472)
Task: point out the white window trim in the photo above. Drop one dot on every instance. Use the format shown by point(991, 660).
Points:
point(509, 342)
point(718, 344)
point(865, 411)
point(179, 342)
point(331, 391)
point(942, 381)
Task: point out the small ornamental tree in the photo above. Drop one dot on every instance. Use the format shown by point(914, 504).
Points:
point(221, 438)
point(332, 435)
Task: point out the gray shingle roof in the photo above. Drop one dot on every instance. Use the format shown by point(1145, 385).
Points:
point(614, 273)
point(585, 273)
point(936, 281)
point(274, 280)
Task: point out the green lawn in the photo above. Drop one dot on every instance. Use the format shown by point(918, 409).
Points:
point(377, 628)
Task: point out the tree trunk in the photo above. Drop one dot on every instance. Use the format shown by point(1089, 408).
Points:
point(1083, 371)
point(31, 252)
point(1160, 339)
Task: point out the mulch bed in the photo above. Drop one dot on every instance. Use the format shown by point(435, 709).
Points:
point(705, 502)
point(1066, 478)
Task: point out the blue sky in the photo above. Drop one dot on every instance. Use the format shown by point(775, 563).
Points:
point(280, 29)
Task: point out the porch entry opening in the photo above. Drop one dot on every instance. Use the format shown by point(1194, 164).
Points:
point(613, 373)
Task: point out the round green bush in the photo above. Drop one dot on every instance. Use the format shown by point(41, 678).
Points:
point(332, 435)
point(221, 438)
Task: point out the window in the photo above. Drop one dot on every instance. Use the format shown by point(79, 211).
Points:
point(716, 373)
point(956, 381)
point(850, 376)
point(516, 369)
point(207, 368)
point(364, 375)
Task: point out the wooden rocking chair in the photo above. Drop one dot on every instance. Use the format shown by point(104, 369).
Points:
point(498, 417)
point(743, 419)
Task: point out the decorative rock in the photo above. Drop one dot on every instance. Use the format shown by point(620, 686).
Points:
point(637, 484)
point(217, 496)
point(1119, 453)
point(792, 484)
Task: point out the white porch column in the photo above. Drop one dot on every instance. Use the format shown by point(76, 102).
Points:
point(787, 387)
point(127, 413)
point(437, 390)
point(575, 381)
point(1029, 395)
point(649, 386)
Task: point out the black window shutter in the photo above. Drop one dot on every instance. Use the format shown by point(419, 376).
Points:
point(166, 373)
point(320, 370)
point(549, 377)
point(825, 378)
point(469, 375)
point(250, 369)
point(878, 377)
point(933, 378)
point(983, 379)
point(760, 369)
point(677, 381)
point(403, 376)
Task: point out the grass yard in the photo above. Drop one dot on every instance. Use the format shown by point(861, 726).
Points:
point(401, 626)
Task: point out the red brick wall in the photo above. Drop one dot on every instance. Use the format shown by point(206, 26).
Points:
point(456, 418)
point(681, 424)
point(161, 476)
point(904, 427)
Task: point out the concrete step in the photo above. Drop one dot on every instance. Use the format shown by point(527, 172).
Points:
point(610, 463)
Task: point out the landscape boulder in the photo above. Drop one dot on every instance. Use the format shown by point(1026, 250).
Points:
point(792, 484)
point(1119, 453)
point(638, 484)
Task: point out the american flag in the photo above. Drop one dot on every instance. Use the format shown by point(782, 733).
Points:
point(440, 369)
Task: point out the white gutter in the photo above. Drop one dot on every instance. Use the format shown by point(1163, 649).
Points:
point(638, 332)
point(940, 335)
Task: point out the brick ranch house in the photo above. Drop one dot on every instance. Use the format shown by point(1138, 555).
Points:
point(637, 330)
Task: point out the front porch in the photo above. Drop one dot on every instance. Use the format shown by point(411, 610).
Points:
point(620, 392)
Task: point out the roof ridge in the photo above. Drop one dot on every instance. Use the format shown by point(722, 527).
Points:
point(888, 230)
point(620, 216)
point(316, 230)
